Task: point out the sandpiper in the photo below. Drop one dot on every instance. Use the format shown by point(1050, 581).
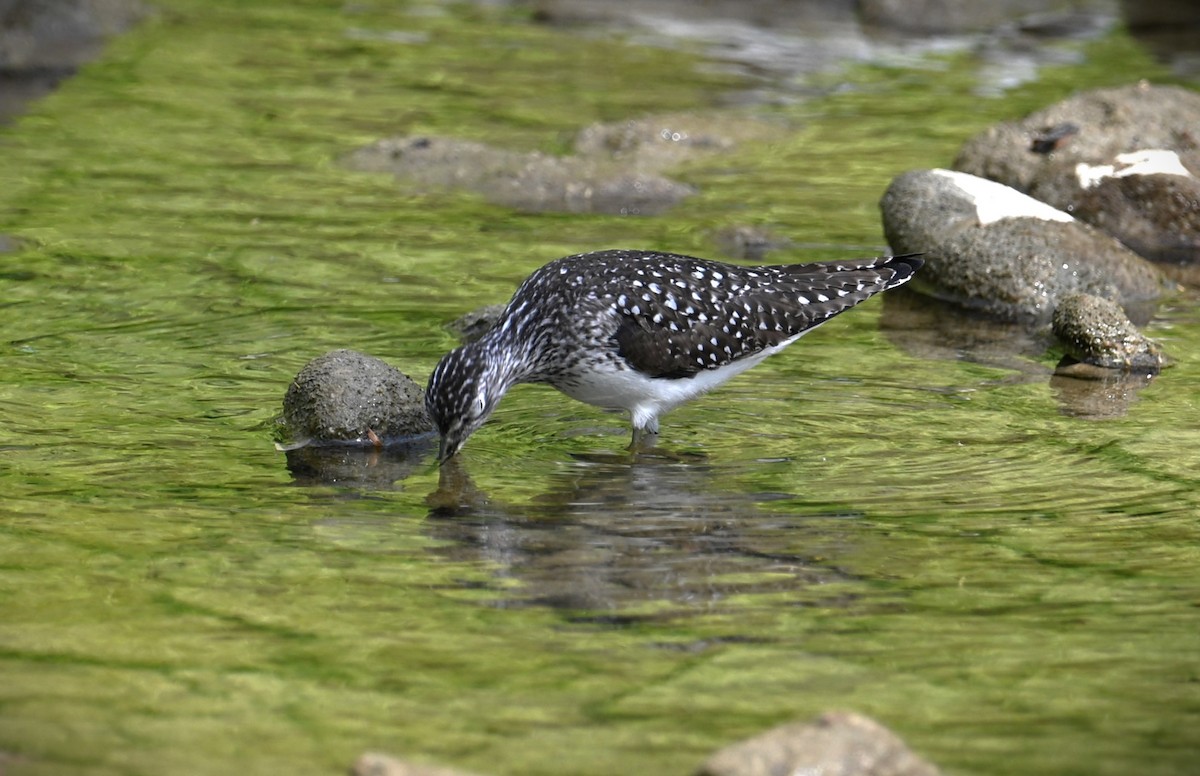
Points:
point(644, 331)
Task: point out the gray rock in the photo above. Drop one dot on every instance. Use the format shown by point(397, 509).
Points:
point(372, 764)
point(60, 34)
point(836, 744)
point(346, 397)
point(9, 244)
point(473, 325)
point(990, 248)
point(1096, 331)
point(530, 182)
point(1156, 214)
point(616, 168)
point(659, 142)
point(44, 41)
point(749, 243)
point(1125, 160)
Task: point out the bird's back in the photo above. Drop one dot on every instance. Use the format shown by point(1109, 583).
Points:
point(671, 316)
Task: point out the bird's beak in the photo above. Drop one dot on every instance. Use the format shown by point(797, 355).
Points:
point(447, 449)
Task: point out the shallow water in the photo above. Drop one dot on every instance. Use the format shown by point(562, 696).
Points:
point(903, 515)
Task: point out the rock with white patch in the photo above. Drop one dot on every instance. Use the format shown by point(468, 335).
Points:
point(1125, 160)
point(991, 248)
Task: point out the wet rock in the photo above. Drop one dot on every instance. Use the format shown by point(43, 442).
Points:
point(836, 744)
point(44, 41)
point(658, 142)
point(1129, 167)
point(60, 34)
point(372, 764)
point(616, 168)
point(473, 325)
point(990, 248)
point(1097, 332)
point(1146, 199)
point(941, 17)
point(345, 397)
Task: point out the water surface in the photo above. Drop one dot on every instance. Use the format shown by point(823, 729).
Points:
point(901, 515)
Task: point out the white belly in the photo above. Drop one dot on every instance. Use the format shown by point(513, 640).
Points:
point(645, 398)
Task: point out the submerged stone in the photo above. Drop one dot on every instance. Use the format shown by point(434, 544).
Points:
point(659, 142)
point(526, 181)
point(838, 743)
point(346, 397)
point(748, 242)
point(1096, 331)
point(616, 168)
point(473, 325)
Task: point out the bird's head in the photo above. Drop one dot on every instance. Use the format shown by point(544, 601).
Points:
point(463, 391)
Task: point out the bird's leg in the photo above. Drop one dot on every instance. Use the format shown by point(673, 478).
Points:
point(645, 438)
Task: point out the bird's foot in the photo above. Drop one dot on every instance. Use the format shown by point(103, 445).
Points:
point(644, 447)
point(644, 440)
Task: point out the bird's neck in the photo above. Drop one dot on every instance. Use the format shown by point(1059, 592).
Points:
point(506, 360)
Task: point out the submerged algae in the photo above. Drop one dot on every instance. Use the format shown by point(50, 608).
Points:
point(171, 602)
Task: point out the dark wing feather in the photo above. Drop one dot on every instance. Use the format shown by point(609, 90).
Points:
point(749, 310)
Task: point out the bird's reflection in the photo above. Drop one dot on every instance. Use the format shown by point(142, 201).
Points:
point(617, 532)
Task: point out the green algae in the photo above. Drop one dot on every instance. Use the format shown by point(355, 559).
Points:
point(932, 542)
